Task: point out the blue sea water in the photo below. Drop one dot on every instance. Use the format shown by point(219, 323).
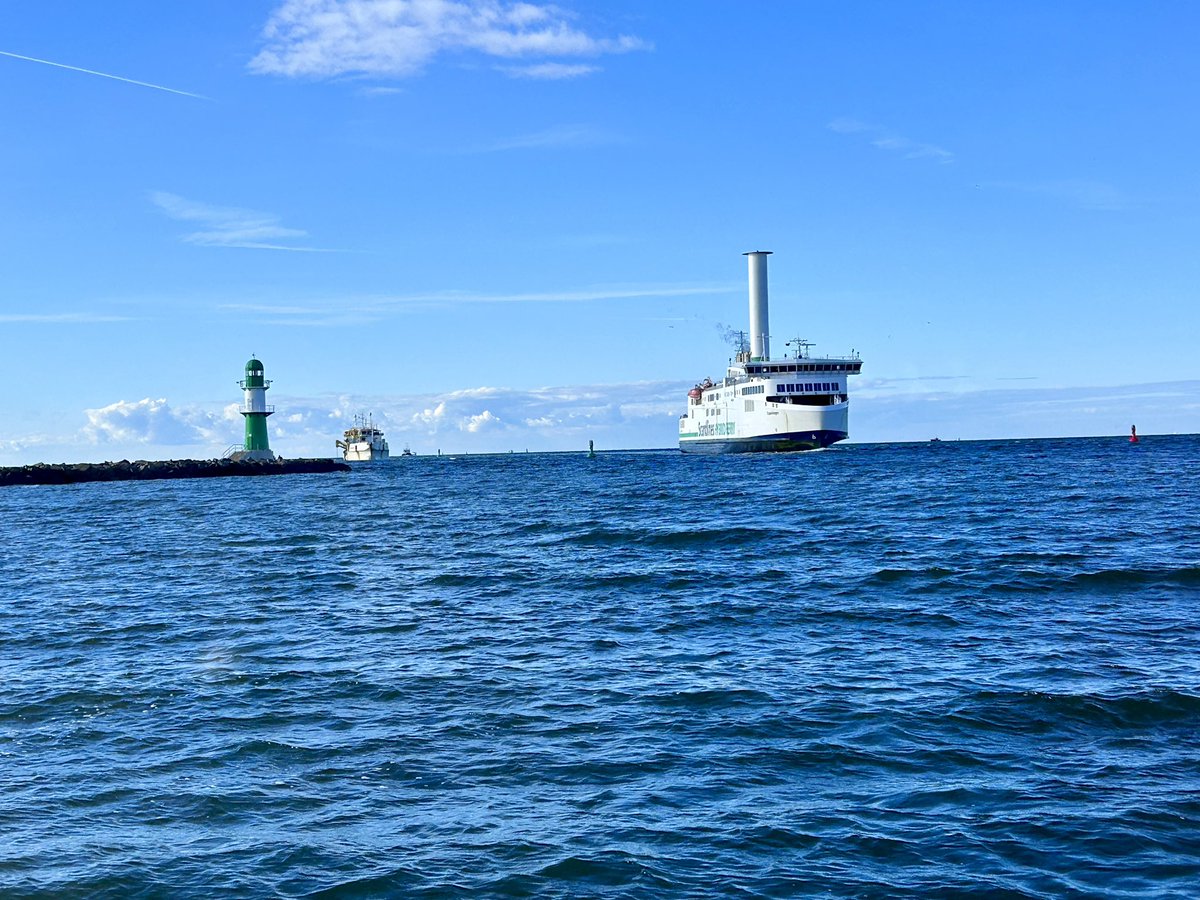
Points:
point(932, 670)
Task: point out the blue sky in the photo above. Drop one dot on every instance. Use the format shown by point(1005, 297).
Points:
point(519, 225)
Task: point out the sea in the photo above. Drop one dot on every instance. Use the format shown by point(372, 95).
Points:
point(946, 669)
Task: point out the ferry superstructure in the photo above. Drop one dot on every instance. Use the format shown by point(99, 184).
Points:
point(363, 441)
point(798, 402)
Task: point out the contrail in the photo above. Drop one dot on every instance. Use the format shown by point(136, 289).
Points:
point(157, 87)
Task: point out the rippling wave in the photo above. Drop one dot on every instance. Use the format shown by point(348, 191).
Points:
point(876, 671)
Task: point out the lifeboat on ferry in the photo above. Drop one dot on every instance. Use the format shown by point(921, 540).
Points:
point(695, 393)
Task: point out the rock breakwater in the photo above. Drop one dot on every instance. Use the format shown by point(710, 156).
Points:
point(145, 470)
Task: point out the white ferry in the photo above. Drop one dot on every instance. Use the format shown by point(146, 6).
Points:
point(363, 441)
point(763, 404)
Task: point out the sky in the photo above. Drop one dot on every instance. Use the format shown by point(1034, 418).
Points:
point(506, 226)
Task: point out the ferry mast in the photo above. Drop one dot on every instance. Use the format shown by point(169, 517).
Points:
point(760, 329)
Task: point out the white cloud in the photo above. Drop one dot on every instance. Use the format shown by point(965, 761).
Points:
point(380, 91)
point(430, 416)
point(357, 309)
point(559, 136)
point(328, 38)
point(885, 139)
point(148, 421)
point(489, 418)
point(224, 226)
point(479, 422)
point(617, 416)
point(550, 71)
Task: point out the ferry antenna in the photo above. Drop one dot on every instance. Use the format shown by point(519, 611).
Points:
point(801, 346)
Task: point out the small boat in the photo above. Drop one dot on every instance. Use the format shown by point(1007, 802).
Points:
point(406, 451)
point(363, 441)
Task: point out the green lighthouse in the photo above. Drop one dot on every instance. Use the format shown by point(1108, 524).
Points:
point(255, 410)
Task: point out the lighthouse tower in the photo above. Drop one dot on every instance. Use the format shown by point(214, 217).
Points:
point(255, 410)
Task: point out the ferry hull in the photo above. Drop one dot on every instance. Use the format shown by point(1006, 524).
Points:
point(789, 442)
point(363, 453)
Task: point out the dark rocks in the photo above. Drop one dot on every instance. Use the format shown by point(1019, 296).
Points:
point(143, 470)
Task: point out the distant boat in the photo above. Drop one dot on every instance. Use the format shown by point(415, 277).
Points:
point(935, 440)
point(406, 451)
point(363, 441)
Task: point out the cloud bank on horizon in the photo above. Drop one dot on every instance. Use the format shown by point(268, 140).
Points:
point(640, 415)
point(482, 419)
point(400, 38)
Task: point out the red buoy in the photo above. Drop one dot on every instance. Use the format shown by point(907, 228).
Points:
point(1133, 438)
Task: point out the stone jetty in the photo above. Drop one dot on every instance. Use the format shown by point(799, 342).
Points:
point(145, 470)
